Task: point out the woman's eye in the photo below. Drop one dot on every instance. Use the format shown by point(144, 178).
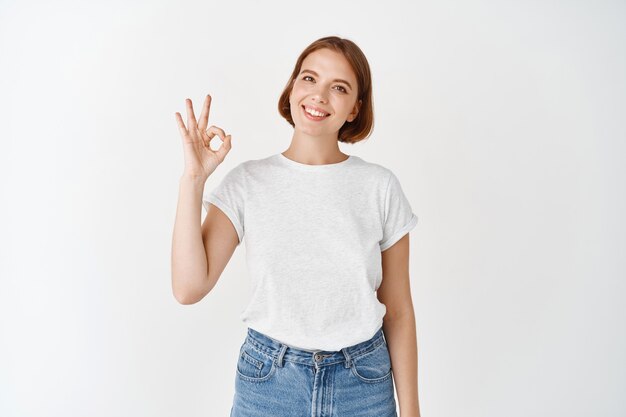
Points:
point(342, 89)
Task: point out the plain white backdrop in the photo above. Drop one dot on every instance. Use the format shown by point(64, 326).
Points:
point(503, 120)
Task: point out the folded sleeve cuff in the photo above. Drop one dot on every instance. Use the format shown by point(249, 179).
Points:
point(230, 213)
point(399, 234)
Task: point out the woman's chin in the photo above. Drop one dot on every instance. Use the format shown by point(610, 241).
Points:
point(311, 131)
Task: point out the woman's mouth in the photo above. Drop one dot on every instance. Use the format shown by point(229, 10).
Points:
point(312, 117)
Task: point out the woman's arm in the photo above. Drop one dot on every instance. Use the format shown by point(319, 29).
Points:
point(199, 252)
point(189, 258)
point(399, 325)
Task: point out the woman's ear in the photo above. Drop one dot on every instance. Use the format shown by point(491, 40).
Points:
point(355, 111)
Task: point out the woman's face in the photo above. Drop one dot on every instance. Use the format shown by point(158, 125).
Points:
point(327, 83)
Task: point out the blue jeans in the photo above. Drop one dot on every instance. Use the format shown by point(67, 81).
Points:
point(277, 380)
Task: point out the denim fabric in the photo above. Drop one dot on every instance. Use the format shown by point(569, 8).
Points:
point(276, 380)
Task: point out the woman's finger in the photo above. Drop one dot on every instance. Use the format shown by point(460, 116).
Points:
point(204, 116)
point(191, 117)
point(206, 140)
point(181, 124)
point(214, 130)
point(224, 148)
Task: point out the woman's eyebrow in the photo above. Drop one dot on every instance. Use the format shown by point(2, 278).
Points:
point(336, 79)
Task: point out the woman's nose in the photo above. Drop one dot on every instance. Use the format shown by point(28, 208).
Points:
point(320, 95)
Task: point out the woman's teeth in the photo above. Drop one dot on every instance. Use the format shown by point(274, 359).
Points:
point(314, 112)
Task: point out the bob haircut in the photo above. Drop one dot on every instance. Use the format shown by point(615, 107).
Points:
point(361, 127)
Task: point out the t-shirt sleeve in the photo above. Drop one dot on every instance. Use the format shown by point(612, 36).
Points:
point(229, 196)
point(399, 218)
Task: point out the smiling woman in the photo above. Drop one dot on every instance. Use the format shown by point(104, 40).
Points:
point(321, 229)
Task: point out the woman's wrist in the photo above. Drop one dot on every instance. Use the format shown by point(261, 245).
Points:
point(193, 178)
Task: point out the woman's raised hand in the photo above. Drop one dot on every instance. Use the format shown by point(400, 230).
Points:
point(200, 159)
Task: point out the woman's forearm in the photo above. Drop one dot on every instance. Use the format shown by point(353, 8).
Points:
point(189, 261)
point(401, 337)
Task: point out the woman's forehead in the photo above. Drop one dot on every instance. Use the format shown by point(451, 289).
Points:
point(328, 63)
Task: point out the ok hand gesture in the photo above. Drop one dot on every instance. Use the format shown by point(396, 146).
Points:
point(200, 159)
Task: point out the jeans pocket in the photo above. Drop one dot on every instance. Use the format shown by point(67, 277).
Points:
point(254, 365)
point(373, 366)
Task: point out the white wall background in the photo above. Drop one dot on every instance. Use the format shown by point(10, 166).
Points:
point(504, 120)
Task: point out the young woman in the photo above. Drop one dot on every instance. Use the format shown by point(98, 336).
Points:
point(327, 247)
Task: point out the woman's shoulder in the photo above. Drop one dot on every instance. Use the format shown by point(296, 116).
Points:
point(372, 168)
point(245, 166)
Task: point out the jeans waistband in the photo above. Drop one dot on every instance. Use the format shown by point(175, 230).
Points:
point(283, 352)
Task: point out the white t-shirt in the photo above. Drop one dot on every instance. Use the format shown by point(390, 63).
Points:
point(314, 237)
